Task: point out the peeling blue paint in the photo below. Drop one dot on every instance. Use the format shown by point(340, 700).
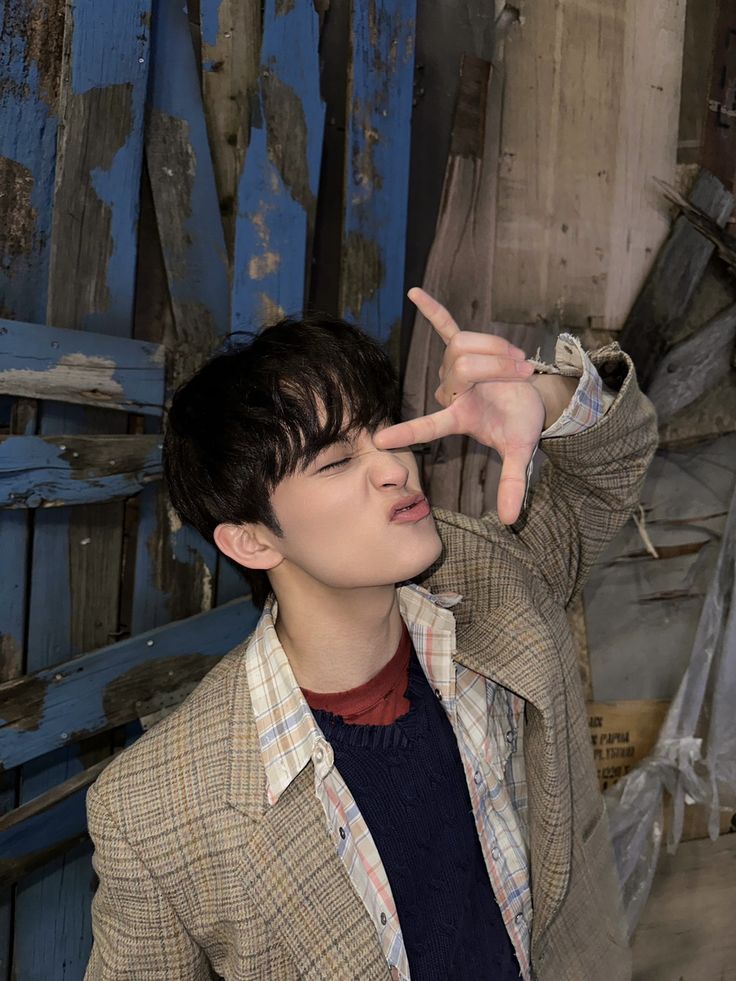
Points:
point(109, 44)
point(35, 472)
point(272, 226)
point(73, 693)
point(377, 146)
point(209, 16)
point(137, 367)
point(175, 90)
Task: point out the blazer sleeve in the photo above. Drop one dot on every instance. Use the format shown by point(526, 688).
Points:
point(590, 484)
point(137, 935)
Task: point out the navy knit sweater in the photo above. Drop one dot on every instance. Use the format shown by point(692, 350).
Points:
point(408, 781)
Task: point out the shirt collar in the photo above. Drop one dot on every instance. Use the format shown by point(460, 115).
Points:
point(288, 735)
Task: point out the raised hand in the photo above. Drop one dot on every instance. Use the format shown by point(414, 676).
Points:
point(486, 394)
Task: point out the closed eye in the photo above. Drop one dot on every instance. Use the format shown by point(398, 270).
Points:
point(333, 466)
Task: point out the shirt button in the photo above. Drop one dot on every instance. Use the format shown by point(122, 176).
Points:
point(383, 919)
point(519, 918)
point(510, 736)
point(342, 833)
point(438, 693)
point(496, 853)
point(477, 777)
point(319, 756)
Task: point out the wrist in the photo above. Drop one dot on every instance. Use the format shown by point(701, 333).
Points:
point(555, 392)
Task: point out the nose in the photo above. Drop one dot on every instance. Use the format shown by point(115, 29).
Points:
point(387, 469)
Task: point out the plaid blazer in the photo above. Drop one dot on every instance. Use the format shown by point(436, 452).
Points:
point(200, 877)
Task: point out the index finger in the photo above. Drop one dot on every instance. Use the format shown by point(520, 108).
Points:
point(421, 430)
point(436, 314)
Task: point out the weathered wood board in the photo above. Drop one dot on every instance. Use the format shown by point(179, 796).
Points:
point(277, 191)
point(230, 52)
point(41, 362)
point(77, 552)
point(590, 115)
point(96, 691)
point(686, 929)
point(377, 143)
point(654, 318)
point(52, 471)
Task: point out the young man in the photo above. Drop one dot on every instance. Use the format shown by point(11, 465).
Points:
point(383, 780)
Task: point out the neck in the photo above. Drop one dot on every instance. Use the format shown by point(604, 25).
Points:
point(338, 639)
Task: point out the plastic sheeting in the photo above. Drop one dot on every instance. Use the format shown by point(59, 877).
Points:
point(695, 755)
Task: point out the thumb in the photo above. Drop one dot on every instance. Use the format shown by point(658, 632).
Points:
point(512, 484)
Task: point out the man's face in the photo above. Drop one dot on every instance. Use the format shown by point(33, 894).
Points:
point(339, 521)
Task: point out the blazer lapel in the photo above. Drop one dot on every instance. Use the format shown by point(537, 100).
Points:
point(514, 655)
point(290, 866)
point(297, 879)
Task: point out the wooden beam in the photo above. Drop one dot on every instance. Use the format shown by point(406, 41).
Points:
point(43, 362)
point(96, 691)
point(231, 44)
point(30, 58)
point(377, 143)
point(46, 826)
point(52, 471)
point(77, 552)
point(184, 193)
point(277, 192)
point(656, 314)
point(693, 367)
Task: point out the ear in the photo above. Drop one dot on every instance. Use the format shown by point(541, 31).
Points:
point(249, 545)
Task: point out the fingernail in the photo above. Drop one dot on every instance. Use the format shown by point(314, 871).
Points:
point(524, 368)
point(517, 352)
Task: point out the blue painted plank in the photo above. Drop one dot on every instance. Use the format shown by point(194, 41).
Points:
point(52, 471)
point(377, 164)
point(28, 130)
point(91, 287)
point(37, 361)
point(183, 180)
point(174, 566)
point(96, 691)
point(277, 192)
point(32, 834)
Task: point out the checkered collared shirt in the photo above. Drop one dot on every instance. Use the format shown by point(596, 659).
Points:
point(486, 718)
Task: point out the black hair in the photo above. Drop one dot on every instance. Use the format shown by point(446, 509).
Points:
point(263, 410)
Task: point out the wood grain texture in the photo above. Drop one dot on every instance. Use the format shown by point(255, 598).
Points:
point(590, 115)
point(77, 552)
point(37, 361)
point(45, 827)
point(174, 568)
point(686, 930)
point(277, 192)
point(691, 368)
point(92, 693)
point(230, 51)
point(456, 473)
point(672, 281)
point(30, 53)
point(377, 143)
point(53, 471)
